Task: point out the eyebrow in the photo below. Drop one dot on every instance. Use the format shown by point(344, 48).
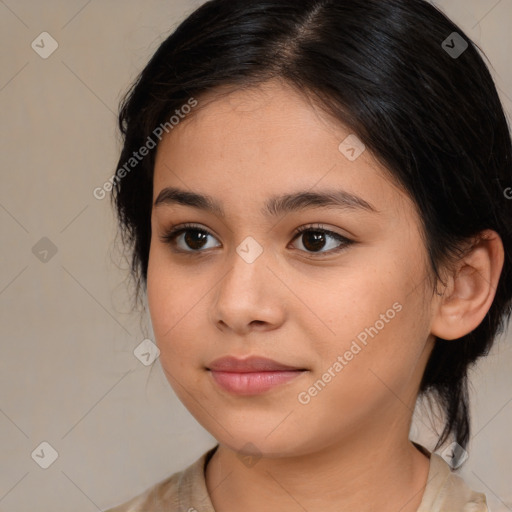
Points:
point(275, 205)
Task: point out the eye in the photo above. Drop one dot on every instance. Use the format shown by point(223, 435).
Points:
point(316, 238)
point(193, 239)
point(193, 236)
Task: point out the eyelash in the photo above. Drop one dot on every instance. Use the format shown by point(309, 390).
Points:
point(170, 235)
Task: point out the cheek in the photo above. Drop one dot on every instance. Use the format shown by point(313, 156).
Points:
point(378, 325)
point(390, 359)
point(174, 310)
point(358, 380)
point(173, 303)
point(346, 303)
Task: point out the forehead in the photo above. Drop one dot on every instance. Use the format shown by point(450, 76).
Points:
point(227, 116)
point(267, 138)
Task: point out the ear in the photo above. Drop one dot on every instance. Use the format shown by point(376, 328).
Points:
point(470, 289)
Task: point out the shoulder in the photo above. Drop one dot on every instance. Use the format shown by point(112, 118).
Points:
point(447, 492)
point(182, 491)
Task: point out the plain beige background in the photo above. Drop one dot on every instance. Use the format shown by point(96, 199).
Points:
point(68, 374)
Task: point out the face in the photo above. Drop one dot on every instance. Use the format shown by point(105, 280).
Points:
point(344, 304)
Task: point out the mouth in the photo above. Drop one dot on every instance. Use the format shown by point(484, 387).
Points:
point(251, 376)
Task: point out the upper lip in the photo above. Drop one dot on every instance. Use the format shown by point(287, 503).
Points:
point(250, 364)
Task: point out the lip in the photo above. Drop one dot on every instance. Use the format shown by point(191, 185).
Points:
point(249, 365)
point(251, 376)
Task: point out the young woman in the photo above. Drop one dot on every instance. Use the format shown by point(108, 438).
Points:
point(315, 196)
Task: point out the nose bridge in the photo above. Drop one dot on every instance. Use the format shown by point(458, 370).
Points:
point(247, 292)
point(248, 268)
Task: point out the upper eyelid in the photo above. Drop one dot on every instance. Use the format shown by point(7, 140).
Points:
point(297, 231)
point(316, 226)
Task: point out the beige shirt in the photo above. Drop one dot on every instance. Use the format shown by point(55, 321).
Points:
point(186, 491)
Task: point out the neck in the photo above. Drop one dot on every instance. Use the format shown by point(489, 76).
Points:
point(353, 474)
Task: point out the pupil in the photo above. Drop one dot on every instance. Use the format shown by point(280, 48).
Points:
point(189, 239)
point(316, 237)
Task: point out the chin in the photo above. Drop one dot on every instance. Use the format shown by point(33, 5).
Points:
point(257, 443)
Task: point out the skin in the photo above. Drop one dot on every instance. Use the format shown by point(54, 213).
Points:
point(348, 448)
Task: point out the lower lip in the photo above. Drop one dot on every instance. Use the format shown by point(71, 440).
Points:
point(252, 383)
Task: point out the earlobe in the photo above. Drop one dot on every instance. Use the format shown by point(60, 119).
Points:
point(471, 289)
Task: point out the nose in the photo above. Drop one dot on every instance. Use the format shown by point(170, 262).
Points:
point(249, 297)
